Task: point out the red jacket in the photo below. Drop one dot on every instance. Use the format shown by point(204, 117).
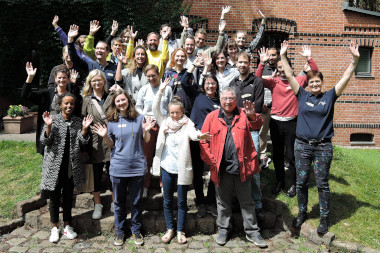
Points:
point(212, 152)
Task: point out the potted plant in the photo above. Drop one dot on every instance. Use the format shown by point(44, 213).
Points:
point(18, 120)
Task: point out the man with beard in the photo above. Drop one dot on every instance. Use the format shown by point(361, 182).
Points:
point(189, 46)
point(155, 56)
point(249, 87)
point(101, 52)
point(173, 44)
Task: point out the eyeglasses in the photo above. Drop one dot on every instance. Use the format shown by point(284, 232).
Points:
point(228, 99)
point(211, 84)
point(153, 76)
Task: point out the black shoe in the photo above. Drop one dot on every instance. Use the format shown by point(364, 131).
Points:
point(323, 227)
point(278, 188)
point(260, 214)
point(291, 192)
point(119, 240)
point(299, 220)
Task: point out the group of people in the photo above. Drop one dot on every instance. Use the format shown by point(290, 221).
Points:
point(173, 107)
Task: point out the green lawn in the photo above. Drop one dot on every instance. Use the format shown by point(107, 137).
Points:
point(355, 196)
point(354, 183)
point(20, 175)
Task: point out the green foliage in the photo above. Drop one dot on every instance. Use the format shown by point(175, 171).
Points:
point(17, 110)
point(27, 34)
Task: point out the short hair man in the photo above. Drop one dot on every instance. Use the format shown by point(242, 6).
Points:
point(173, 44)
point(233, 161)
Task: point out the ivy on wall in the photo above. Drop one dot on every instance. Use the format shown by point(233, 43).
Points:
point(26, 32)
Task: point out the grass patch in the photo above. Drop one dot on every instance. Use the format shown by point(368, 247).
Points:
point(20, 175)
point(355, 197)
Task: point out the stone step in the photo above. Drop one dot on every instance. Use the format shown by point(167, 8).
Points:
point(153, 221)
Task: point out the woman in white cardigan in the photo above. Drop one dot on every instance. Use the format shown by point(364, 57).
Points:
point(173, 159)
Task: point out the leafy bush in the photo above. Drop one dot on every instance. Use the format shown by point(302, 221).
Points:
point(17, 110)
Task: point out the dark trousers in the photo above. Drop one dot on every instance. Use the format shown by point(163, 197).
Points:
point(198, 166)
point(321, 155)
point(64, 187)
point(135, 187)
point(283, 135)
point(98, 173)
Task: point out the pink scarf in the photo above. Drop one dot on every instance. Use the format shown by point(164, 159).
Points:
point(173, 126)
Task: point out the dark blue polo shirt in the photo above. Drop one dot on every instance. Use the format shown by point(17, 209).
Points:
point(315, 114)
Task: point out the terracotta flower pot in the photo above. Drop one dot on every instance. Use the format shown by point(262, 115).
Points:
point(18, 125)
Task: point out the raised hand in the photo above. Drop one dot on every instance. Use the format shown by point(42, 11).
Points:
point(115, 87)
point(249, 109)
point(100, 129)
point(184, 22)
point(87, 121)
point(148, 123)
point(306, 51)
point(205, 136)
point(166, 34)
point(164, 84)
point(198, 62)
point(284, 47)
point(222, 25)
point(132, 34)
point(55, 21)
point(140, 42)
point(275, 74)
point(73, 32)
point(73, 75)
point(264, 57)
point(208, 61)
point(29, 69)
point(115, 27)
point(48, 119)
point(94, 27)
point(306, 67)
point(122, 57)
point(264, 18)
point(354, 49)
point(226, 9)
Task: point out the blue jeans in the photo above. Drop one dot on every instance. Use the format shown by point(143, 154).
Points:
point(135, 186)
point(255, 187)
point(169, 182)
point(321, 155)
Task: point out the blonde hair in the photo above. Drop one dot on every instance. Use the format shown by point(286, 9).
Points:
point(87, 89)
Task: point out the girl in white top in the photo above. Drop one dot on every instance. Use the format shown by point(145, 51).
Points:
point(174, 159)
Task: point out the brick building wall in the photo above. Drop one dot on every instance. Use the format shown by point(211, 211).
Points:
point(328, 28)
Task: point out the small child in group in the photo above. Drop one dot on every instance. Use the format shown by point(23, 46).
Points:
point(62, 169)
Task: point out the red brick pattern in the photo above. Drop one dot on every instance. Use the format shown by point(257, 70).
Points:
point(328, 29)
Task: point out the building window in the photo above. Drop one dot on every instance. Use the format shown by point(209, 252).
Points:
point(361, 139)
point(365, 62)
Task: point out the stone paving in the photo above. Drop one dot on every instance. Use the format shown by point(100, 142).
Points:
point(25, 239)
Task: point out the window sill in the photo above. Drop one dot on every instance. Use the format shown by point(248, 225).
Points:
point(362, 143)
point(364, 76)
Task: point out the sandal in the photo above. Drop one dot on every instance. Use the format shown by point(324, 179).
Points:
point(181, 237)
point(168, 236)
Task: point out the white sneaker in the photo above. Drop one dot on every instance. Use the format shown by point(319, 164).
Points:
point(112, 208)
point(97, 214)
point(69, 232)
point(54, 235)
point(145, 192)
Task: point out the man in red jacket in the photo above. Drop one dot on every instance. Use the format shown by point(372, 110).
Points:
point(233, 160)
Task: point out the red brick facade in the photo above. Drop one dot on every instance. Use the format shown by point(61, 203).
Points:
point(328, 28)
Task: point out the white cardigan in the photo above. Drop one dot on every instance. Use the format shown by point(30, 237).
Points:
point(188, 132)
